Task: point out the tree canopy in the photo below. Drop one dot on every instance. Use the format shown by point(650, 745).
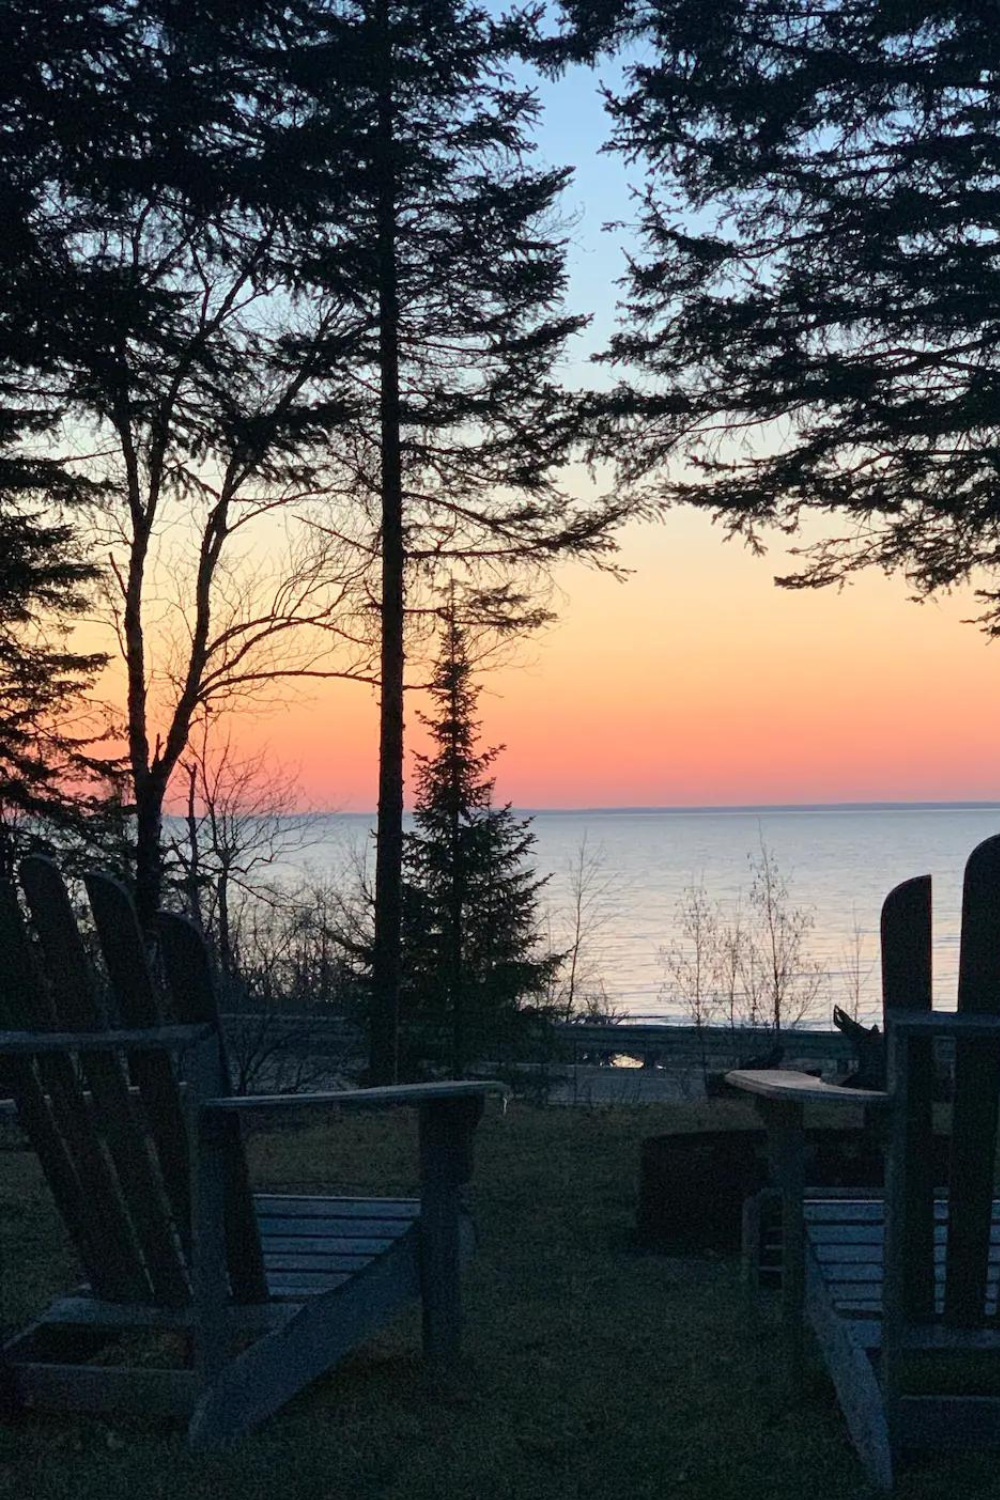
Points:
point(810, 324)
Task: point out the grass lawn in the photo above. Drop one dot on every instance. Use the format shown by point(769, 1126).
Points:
point(590, 1370)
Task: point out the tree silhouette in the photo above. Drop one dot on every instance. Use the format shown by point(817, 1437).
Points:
point(472, 923)
point(151, 171)
point(810, 326)
point(441, 234)
point(60, 123)
point(54, 783)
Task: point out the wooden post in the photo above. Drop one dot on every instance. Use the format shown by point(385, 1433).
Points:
point(446, 1131)
point(976, 1110)
point(907, 986)
point(208, 1135)
point(750, 1253)
point(907, 1282)
point(786, 1143)
point(758, 1212)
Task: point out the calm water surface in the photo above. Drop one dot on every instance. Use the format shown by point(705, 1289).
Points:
point(839, 864)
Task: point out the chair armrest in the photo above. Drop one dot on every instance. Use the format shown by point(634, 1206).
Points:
point(448, 1113)
point(412, 1094)
point(800, 1088)
point(115, 1039)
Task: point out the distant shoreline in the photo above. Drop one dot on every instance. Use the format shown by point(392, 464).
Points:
point(779, 807)
point(730, 807)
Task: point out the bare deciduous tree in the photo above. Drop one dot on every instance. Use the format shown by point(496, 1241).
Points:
point(296, 1021)
point(177, 367)
point(221, 588)
point(243, 821)
point(289, 978)
point(747, 968)
point(595, 895)
point(784, 981)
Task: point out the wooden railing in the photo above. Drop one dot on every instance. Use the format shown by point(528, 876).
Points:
point(665, 1045)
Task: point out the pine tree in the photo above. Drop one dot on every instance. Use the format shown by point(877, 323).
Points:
point(471, 929)
point(441, 233)
point(811, 317)
point(59, 119)
point(54, 785)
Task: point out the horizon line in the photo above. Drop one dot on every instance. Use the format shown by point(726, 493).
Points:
point(926, 805)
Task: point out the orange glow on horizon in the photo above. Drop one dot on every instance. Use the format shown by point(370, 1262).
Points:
point(700, 683)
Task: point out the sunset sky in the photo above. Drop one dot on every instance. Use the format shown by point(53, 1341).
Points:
point(700, 683)
point(697, 682)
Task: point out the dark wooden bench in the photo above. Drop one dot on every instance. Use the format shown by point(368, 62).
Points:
point(892, 1283)
point(122, 1088)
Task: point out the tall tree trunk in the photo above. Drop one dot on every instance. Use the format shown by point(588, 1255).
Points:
point(149, 794)
point(456, 978)
point(387, 954)
point(226, 959)
point(148, 789)
point(194, 860)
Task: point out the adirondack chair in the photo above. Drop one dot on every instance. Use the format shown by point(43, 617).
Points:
point(906, 961)
point(893, 1284)
point(127, 1105)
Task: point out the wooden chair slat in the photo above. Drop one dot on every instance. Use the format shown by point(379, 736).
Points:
point(307, 1243)
point(119, 1275)
point(124, 952)
point(371, 1222)
point(21, 1002)
point(866, 1271)
point(189, 978)
point(829, 1235)
point(285, 1205)
point(907, 984)
point(875, 1252)
point(352, 1246)
point(134, 990)
point(859, 1210)
point(299, 1283)
point(842, 1254)
point(76, 1004)
point(24, 1001)
point(322, 1230)
point(977, 1090)
point(58, 1122)
point(18, 1079)
point(907, 946)
point(320, 1264)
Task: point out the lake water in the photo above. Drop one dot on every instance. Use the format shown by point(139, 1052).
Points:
point(839, 863)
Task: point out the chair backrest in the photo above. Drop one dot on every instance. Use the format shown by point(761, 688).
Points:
point(977, 1091)
point(906, 930)
point(944, 1248)
point(907, 984)
point(110, 1133)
